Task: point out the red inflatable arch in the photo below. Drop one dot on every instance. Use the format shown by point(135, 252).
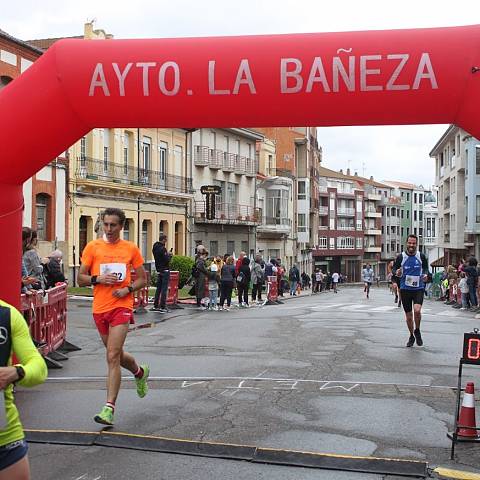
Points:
point(415, 76)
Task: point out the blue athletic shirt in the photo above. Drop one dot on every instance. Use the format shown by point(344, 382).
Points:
point(414, 267)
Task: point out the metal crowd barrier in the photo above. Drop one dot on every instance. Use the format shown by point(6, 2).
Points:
point(45, 312)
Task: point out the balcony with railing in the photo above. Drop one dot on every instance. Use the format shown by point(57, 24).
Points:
point(201, 155)
point(346, 227)
point(215, 159)
point(446, 237)
point(275, 225)
point(245, 166)
point(323, 210)
point(102, 171)
point(218, 159)
point(227, 213)
point(228, 162)
point(346, 211)
point(372, 213)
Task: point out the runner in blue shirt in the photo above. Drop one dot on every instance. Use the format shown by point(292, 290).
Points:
point(411, 267)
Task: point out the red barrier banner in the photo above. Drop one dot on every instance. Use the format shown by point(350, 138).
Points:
point(46, 314)
point(272, 288)
point(173, 281)
point(140, 297)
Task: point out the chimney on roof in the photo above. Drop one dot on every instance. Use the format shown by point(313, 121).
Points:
point(371, 177)
point(348, 171)
point(341, 170)
point(356, 174)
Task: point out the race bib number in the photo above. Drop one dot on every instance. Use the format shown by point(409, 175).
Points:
point(117, 269)
point(412, 281)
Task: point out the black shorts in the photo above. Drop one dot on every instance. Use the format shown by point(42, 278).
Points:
point(410, 298)
point(12, 453)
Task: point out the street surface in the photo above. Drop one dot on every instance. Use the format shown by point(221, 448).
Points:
point(326, 373)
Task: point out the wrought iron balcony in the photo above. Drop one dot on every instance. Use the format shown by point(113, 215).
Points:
point(228, 213)
point(93, 169)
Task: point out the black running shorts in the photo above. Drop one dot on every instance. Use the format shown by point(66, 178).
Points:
point(410, 298)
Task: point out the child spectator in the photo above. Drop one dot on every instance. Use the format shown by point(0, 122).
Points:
point(213, 287)
point(464, 289)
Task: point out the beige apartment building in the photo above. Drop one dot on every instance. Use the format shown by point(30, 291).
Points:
point(225, 158)
point(141, 171)
point(275, 203)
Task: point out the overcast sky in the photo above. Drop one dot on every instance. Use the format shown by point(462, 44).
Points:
point(394, 152)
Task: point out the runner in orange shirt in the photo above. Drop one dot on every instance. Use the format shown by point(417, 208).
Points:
point(106, 264)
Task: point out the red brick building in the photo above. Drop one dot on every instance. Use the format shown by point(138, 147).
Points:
point(349, 229)
point(44, 193)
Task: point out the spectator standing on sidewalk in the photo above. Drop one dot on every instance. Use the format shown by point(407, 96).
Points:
point(243, 279)
point(335, 277)
point(201, 276)
point(319, 281)
point(463, 286)
point(293, 278)
point(162, 266)
point(239, 262)
point(472, 279)
point(213, 287)
point(227, 281)
point(280, 273)
point(53, 269)
point(258, 279)
point(31, 258)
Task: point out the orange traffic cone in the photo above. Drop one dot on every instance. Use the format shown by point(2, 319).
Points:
point(467, 414)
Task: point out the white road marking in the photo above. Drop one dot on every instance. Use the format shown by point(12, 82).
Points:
point(328, 305)
point(355, 306)
point(240, 379)
point(384, 308)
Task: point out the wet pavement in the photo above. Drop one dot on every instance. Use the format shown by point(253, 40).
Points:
point(327, 373)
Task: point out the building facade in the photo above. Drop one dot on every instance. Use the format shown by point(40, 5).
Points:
point(44, 194)
point(141, 171)
point(275, 203)
point(430, 239)
point(298, 156)
point(340, 246)
point(225, 158)
point(454, 156)
point(457, 170)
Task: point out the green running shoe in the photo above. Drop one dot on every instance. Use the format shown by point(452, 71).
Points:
point(142, 385)
point(105, 417)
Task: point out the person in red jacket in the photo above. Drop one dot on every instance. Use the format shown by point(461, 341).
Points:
point(238, 263)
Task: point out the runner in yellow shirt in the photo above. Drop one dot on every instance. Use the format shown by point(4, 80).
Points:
point(15, 338)
point(106, 264)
